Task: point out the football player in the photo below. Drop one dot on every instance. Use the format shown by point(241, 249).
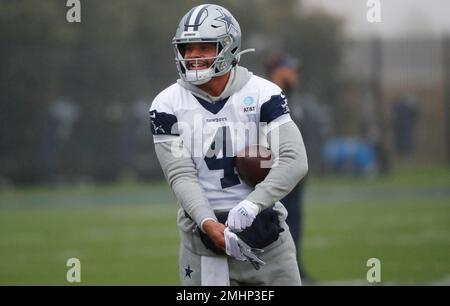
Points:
point(214, 110)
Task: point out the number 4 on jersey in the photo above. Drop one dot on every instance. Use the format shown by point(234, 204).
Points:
point(222, 143)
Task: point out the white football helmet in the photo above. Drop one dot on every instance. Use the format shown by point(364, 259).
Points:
point(208, 23)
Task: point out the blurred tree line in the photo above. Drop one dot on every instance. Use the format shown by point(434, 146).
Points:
point(106, 71)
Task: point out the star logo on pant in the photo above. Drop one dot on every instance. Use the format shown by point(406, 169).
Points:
point(188, 271)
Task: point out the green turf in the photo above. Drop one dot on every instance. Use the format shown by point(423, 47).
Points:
point(126, 233)
point(410, 238)
point(116, 245)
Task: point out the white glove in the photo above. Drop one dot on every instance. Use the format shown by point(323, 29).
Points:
point(231, 246)
point(242, 215)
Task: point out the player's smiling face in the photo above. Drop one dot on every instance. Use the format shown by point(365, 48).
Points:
point(199, 50)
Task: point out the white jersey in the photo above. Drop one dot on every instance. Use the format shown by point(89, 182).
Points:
point(214, 133)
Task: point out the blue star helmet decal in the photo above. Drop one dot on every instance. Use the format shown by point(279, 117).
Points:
point(227, 20)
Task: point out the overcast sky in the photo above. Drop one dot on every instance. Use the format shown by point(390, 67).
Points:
point(398, 17)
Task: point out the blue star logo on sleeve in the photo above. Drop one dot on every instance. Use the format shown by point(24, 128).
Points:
point(188, 271)
point(227, 20)
point(157, 128)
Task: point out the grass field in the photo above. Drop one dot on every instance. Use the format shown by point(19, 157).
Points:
point(126, 233)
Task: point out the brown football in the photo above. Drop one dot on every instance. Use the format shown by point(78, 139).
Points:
point(253, 164)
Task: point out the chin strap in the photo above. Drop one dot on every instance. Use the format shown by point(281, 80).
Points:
point(245, 51)
point(238, 55)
